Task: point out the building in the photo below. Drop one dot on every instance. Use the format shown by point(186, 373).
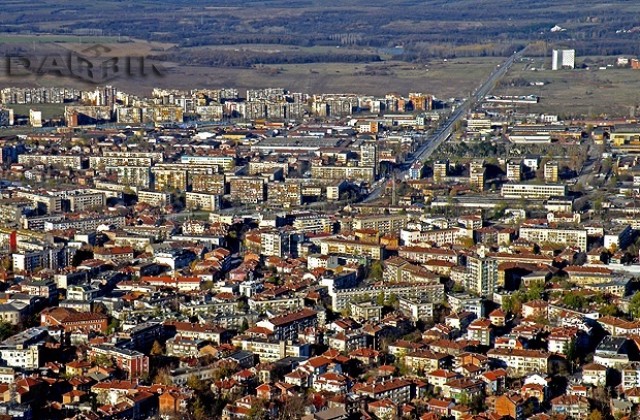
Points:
point(384, 224)
point(440, 170)
point(521, 362)
point(396, 390)
point(542, 235)
point(134, 363)
point(154, 198)
point(514, 171)
point(248, 190)
point(345, 246)
point(72, 320)
point(476, 175)
point(202, 201)
point(532, 191)
point(561, 59)
point(551, 169)
point(416, 309)
point(286, 327)
point(481, 275)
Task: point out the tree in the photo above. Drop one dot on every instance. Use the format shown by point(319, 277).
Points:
point(293, 408)
point(199, 409)
point(157, 349)
point(163, 377)
point(113, 326)
point(257, 412)
point(6, 330)
point(634, 306)
point(376, 270)
point(196, 384)
point(571, 352)
point(380, 299)
point(595, 415)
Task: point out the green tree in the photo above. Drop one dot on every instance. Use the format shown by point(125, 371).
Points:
point(380, 299)
point(634, 306)
point(6, 330)
point(196, 384)
point(376, 270)
point(571, 352)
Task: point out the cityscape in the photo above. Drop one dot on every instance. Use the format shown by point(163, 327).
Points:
point(276, 253)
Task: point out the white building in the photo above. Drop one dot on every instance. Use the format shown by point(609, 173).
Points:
point(563, 59)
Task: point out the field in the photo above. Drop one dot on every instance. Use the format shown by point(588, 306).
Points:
point(594, 91)
point(375, 78)
point(442, 78)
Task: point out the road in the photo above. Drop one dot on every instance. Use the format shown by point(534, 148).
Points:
point(445, 130)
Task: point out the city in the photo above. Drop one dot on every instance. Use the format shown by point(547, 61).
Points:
point(268, 254)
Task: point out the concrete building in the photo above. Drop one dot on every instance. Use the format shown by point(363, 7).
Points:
point(561, 59)
point(532, 191)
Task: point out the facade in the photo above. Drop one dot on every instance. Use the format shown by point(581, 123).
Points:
point(482, 275)
point(561, 59)
point(542, 235)
point(202, 201)
point(532, 191)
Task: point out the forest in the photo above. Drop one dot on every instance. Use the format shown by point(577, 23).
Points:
point(423, 29)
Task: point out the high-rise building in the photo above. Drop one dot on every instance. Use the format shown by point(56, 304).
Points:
point(476, 175)
point(482, 275)
point(514, 171)
point(563, 59)
point(551, 170)
point(369, 156)
point(440, 170)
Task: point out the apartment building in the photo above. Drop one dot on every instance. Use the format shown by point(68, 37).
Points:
point(439, 237)
point(286, 327)
point(136, 176)
point(314, 223)
point(154, 198)
point(227, 163)
point(86, 201)
point(520, 361)
point(551, 170)
point(47, 203)
point(430, 292)
point(156, 157)
point(514, 171)
point(101, 162)
point(202, 201)
point(481, 275)
point(271, 351)
point(396, 390)
point(384, 224)
point(345, 246)
point(86, 224)
point(568, 237)
point(343, 172)
point(58, 161)
point(416, 309)
point(248, 190)
point(170, 178)
point(286, 194)
point(440, 170)
point(477, 175)
point(424, 255)
point(532, 191)
point(134, 363)
point(209, 183)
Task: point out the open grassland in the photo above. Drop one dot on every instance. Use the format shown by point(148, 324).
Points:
point(442, 79)
point(593, 91)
